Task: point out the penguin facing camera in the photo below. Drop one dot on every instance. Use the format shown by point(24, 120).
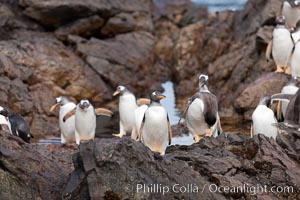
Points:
point(85, 120)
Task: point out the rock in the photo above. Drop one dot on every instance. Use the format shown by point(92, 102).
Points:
point(117, 168)
point(127, 22)
point(32, 171)
point(171, 9)
point(53, 13)
point(267, 84)
point(123, 60)
point(85, 27)
point(36, 75)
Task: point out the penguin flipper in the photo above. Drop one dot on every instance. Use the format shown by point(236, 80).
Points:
point(186, 109)
point(219, 127)
point(143, 101)
point(279, 113)
point(169, 130)
point(268, 51)
point(103, 111)
point(69, 114)
point(141, 129)
point(251, 131)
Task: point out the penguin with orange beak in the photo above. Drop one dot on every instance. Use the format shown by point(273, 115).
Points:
point(67, 129)
point(155, 131)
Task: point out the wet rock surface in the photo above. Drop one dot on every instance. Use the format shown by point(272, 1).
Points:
point(115, 168)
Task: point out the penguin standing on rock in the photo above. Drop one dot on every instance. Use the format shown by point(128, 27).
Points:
point(85, 120)
point(291, 88)
point(295, 54)
point(67, 129)
point(201, 113)
point(292, 115)
point(291, 11)
point(281, 46)
point(127, 106)
point(263, 119)
point(155, 131)
point(18, 125)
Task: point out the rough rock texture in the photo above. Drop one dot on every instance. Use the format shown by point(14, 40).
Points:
point(30, 69)
point(113, 168)
point(228, 46)
point(81, 49)
point(32, 171)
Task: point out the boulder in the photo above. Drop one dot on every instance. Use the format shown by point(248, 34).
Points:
point(125, 169)
point(36, 68)
point(123, 60)
point(53, 13)
point(127, 22)
point(267, 84)
point(32, 171)
point(85, 27)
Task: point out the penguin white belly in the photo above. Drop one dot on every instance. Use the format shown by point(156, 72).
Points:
point(85, 124)
point(195, 119)
point(4, 122)
point(67, 128)
point(296, 36)
point(264, 121)
point(289, 89)
point(214, 128)
point(282, 46)
point(292, 15)
point(155, 131)
point(127, 106)
point(295, 67)
point(139, 114)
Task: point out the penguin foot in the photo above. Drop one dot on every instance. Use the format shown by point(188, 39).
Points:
point(279, 70)
point(287, 71)
point(120, 135)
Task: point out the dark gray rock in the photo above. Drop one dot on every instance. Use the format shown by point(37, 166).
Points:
point(116, 168)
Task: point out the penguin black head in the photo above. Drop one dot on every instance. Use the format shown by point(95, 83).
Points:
point(280, 20)
point(3, 111)
point(84, 104)
point(157, 96)
point(203, 80)
point(265, 100)
point(59, 101)
point(120, 90)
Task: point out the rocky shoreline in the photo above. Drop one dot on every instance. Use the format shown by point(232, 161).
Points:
point(45, 53)
point(116, 168)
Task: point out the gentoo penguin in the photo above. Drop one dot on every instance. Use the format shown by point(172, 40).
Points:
point(67, 129)
point(19, 127)
point(155, 131)
point(291, 11)
point(85, 120)
point(201, 114)
point(292, 115)
point(281, 46)
point(4, 121)
point(291, 88)
point(127, 106)
point(295, 55)
point(263, 119)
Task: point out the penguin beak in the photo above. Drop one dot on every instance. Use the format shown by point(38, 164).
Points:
point(55, 106)
point(160, 96)
point(116, 92)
